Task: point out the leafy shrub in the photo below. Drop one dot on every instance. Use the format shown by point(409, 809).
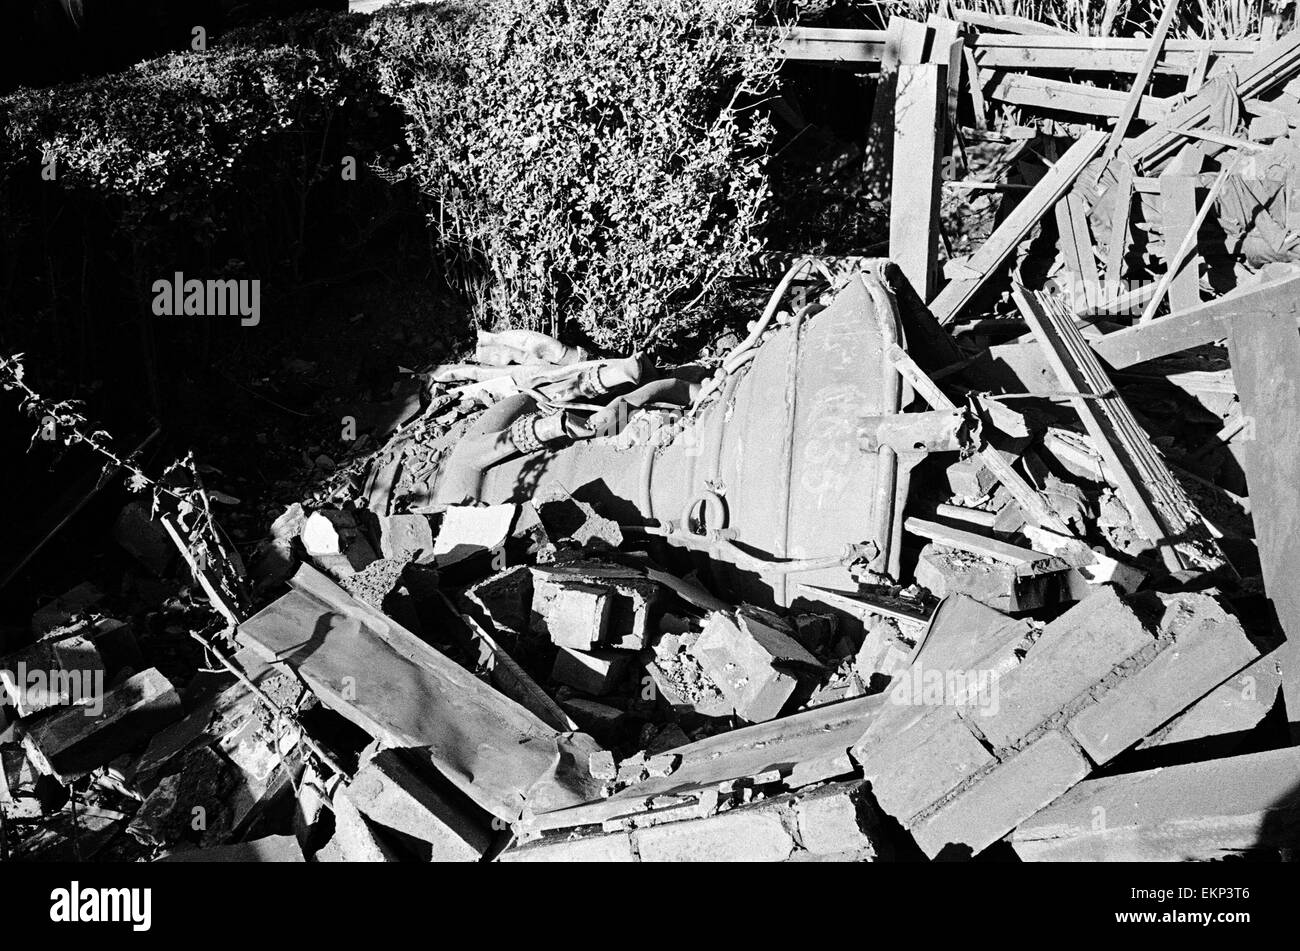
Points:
point(594, 164)
point(168, 142)
point(599, 162)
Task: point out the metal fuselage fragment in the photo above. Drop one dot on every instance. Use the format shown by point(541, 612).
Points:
point(775, 452)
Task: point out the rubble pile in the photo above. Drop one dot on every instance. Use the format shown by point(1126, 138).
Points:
point(914, 569)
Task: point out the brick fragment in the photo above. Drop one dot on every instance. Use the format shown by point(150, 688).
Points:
point(1209, 645)
point(997, 803)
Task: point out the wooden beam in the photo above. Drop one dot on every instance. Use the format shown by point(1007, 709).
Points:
point(1040, 92)
point(1264, 349)
point(1177, 218)
point(1015, 227)
point(1179, 258)
point(1076, 246)
point(1200, 325)
point(904, 43)
point(945, 47)
point(816, 45)
point(1144, 72)
point(975, 82)
point(1186, 49)
point(1093, 54)
point(922, 95)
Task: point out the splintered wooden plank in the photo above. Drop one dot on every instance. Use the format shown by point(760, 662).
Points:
point(1200, 325)
point(1102, 55)
point(812, 44)
point(1137, 45)
point(1177, 218)
point(975, 81)
point(1161, 510)
point(922, 93)
point(1076, 246)
point(1264, 349)
point(1145, 69)
point(1041, 92)
point(1015, 227)
point(904, 43)
point(1268, 69)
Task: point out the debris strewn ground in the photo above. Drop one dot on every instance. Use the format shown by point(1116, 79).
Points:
point(937, 561)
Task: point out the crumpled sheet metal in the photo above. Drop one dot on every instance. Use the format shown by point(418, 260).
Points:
point(405, 693)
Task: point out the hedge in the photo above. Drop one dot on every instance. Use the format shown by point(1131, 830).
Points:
point(591, 167)
point(596, 164)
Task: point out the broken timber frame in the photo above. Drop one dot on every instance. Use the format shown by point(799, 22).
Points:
point(919, 133)
point(1259, 74)
point(1144, 72)
point(1015, 227)
point(1035, 508)
point(1158, 504)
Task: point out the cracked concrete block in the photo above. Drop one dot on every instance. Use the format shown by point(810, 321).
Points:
point(753, 663)
point(593, 672)
point(743, 835)
point(1075, 651)
point(994, 805)
point(1209, 645)
point(571, 614)
point(388, 792)
point(916, 767)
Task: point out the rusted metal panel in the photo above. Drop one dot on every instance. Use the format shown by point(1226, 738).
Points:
point(779, 448)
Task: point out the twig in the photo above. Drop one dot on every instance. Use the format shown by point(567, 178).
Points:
point(272, 705)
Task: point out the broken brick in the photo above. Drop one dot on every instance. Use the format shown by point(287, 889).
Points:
point(572, 615)
point(1208, 646)
point(751, 662)
point(389, 793)
point(1074, 652)
point(593, 672)
point(68, 744)
point(993, 805)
